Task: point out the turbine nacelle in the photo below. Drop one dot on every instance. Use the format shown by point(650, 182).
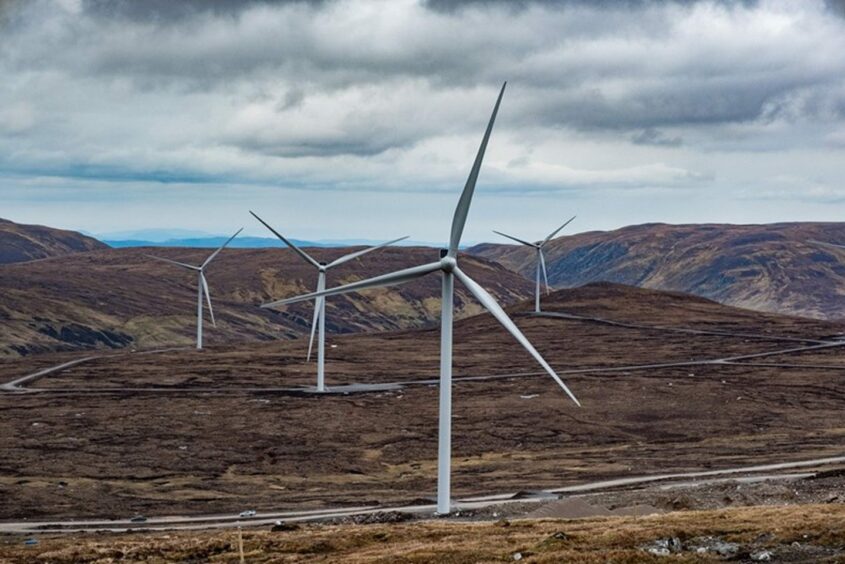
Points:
point(448, 263)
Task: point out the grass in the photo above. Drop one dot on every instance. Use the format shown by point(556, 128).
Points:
point(807, 532)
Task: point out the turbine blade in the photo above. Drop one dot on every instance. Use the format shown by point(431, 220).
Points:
point(223, 246)
point(543, 268)
point(556, 231)
point(514, 238)
point(350, 256)
point(462, 210)
point(830, 245)
point(182, 264)
point(398, 277)
point(207, 298)
point(313, 327)
point(489, 302)
point(296, 249)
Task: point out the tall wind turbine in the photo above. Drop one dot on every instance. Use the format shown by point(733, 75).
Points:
point(202, 284)
point(541, 260)
point(448, 267)
point(320, 303)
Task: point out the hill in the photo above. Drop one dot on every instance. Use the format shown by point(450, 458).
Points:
point(20, 243)
point(234, 427)
point(762, 267)
point(119, 297)
point(211, 243)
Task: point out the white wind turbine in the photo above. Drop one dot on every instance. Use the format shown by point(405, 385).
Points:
point(448, 266)
point(320, 303)
point(541, 260)
point(202, 284)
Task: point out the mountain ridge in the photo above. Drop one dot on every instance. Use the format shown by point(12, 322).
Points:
point(117, 298)
point(765, 267)
point(22, 242)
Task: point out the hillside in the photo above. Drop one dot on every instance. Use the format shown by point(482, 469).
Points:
point(233, 427)
point(20, 243)
point(119, 297)
point(762, 267)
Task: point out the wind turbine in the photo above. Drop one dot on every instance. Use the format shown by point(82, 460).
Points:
point(448, 267)
point(202, 284)
point(541, 260)
point(320, 303)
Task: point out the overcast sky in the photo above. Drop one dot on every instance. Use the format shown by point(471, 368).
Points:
point(360, 119)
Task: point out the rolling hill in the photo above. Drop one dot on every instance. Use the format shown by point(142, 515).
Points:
point(118, 297)
point(668, 383)
point(763, 267)
point(20, 243)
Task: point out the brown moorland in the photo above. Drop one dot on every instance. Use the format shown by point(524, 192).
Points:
point(120, 298)
point(203, 432)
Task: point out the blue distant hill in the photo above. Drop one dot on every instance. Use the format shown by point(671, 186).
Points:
point(247, 242)
point(214, 242)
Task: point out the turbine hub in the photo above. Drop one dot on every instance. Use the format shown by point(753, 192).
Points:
point(448, 264)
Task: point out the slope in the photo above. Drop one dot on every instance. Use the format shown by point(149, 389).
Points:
point(763, 267)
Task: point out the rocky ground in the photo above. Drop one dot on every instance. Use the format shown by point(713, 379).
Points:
point(794, 533)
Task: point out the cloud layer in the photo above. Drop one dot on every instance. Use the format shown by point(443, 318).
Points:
point(608, 98)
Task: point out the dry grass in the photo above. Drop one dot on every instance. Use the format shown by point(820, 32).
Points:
point(815, 529)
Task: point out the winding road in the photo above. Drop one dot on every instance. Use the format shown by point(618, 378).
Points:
point(216, 521)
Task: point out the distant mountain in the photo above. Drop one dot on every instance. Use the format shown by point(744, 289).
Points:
point(153, 234)
point(20, 243)
point(119, 297)
point(213, 241)
point(763, 267)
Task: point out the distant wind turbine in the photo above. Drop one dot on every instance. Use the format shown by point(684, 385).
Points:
point(320, 303)
point(541, 260)
point(202, 284)
point(448, 266)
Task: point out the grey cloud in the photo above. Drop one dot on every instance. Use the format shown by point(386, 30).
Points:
point(572, 59)
point(171, 76)
point(653, 136)
point(165, 12)
point(455, 5)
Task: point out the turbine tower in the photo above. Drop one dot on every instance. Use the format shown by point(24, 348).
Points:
point(320, 303)
point(202, 284)
point(448, 267)
point(541, 260)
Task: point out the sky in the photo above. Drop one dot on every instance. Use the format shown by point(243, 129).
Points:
point(360, 120)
